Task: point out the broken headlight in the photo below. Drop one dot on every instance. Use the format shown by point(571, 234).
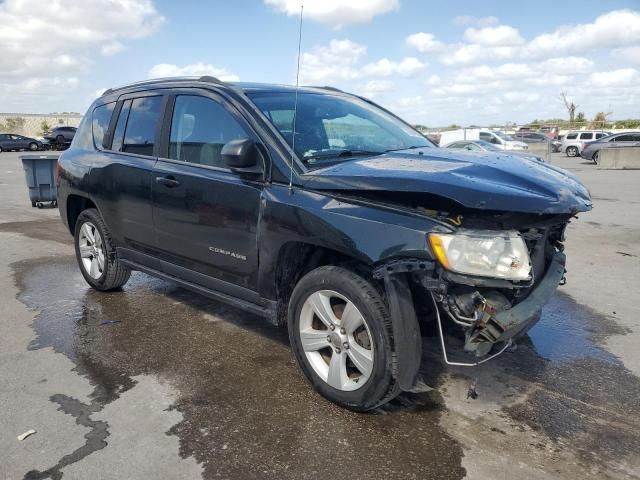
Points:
point(485, 253)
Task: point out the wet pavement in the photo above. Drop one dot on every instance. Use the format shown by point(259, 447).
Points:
point(162, 363)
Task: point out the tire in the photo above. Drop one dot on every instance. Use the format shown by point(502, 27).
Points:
point(0, 149)
point(33, 146)
point(357, 391)
point(595, 157)
point(59, 139)
point(113, 273)
point(572, 151)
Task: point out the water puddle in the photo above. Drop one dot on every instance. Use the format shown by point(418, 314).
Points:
point(247, 412)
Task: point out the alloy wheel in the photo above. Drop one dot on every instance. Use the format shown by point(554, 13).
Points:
point(336, 340)
point(91, 249)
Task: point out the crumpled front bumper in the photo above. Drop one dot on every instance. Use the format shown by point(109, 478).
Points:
point(507, 324)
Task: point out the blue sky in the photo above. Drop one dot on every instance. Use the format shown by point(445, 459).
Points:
point(433, 63)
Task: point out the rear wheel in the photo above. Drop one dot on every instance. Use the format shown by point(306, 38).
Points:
point(572, 151)
point(96, 254)
point(341, 335)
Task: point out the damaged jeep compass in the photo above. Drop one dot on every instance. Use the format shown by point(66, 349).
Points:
point(322, 212)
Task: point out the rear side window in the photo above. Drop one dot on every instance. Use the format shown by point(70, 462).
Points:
point(118, 134)
point(100, 123)
point(629, 137)
point(586, 136)
point(200, 127)
point(140, 133)
point(572, 136)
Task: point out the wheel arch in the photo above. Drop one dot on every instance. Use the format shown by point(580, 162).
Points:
point(295, 259)
point(76, 204)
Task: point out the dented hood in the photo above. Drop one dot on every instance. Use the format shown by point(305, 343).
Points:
point(491, 181)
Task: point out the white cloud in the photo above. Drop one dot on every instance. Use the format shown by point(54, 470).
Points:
point(341, 61)
point(627, 54)
point(424, 42)
point(336, 13)
point(566, 65)
point(474, 53)
point(374, 88)
point(433, 80)
point(48, 44)
point(476, 21)
point(195, 69)
point(499, 36)
point(616, 78)
point(331, 63)
point(618, 28)
point(111, 48)
point(408, 67)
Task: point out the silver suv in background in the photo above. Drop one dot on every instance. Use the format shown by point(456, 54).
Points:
point(573, 142)
point(591, 150)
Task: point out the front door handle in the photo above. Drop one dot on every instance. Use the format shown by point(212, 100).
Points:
point(168, 181)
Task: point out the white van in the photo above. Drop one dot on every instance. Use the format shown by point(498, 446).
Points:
point(499, 139)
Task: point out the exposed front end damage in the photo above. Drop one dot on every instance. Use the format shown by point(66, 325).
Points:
point(485, 314)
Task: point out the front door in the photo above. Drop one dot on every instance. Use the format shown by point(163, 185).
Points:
point(205, 216)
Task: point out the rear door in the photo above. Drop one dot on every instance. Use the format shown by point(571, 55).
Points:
point(122, 176)
point(205, 215)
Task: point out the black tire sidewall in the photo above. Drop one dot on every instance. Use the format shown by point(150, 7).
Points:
point(374, 311)
point(93, 217)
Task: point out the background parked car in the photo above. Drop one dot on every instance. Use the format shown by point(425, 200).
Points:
point(60, 135)
point(482, 146)
point(539, 138)
point(573, 142)
point(11, 141)
point(591, 150)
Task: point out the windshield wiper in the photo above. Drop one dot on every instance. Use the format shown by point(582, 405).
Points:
point(342, 154)
point(412, 147)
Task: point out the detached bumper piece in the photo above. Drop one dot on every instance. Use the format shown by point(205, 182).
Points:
point(495, 321)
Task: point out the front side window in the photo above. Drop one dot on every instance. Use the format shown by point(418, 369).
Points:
point(100, 123)
point(200, 127)
point(335, 128)
point(140, 133)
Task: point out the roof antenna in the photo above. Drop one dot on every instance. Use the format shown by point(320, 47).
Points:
point(295, 104)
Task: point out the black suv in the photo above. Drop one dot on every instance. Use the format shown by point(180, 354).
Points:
point(60, 135)
point(354, 231)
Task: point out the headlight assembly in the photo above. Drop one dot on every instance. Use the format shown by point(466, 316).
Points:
point(484, 253)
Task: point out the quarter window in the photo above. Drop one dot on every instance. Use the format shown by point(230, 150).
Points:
point(100, 123)
point(140, 133)
point(200, 127)
point(118, 135)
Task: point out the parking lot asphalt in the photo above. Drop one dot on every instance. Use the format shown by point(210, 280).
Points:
point(157, 382)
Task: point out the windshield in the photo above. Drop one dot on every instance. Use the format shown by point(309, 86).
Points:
point(504, 136)
point(488, 146)
point(335, 128)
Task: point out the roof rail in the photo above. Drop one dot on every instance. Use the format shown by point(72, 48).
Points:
point(203, 78)
point(327, 87)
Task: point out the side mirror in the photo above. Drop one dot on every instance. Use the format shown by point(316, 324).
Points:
point(241, 155)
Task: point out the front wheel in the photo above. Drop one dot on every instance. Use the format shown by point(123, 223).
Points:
point(572, 151)
point(96, 254)
point(341, 334)
point(33, 146)
point(595, 158)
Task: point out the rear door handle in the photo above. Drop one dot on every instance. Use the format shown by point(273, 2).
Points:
point(168, 181)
